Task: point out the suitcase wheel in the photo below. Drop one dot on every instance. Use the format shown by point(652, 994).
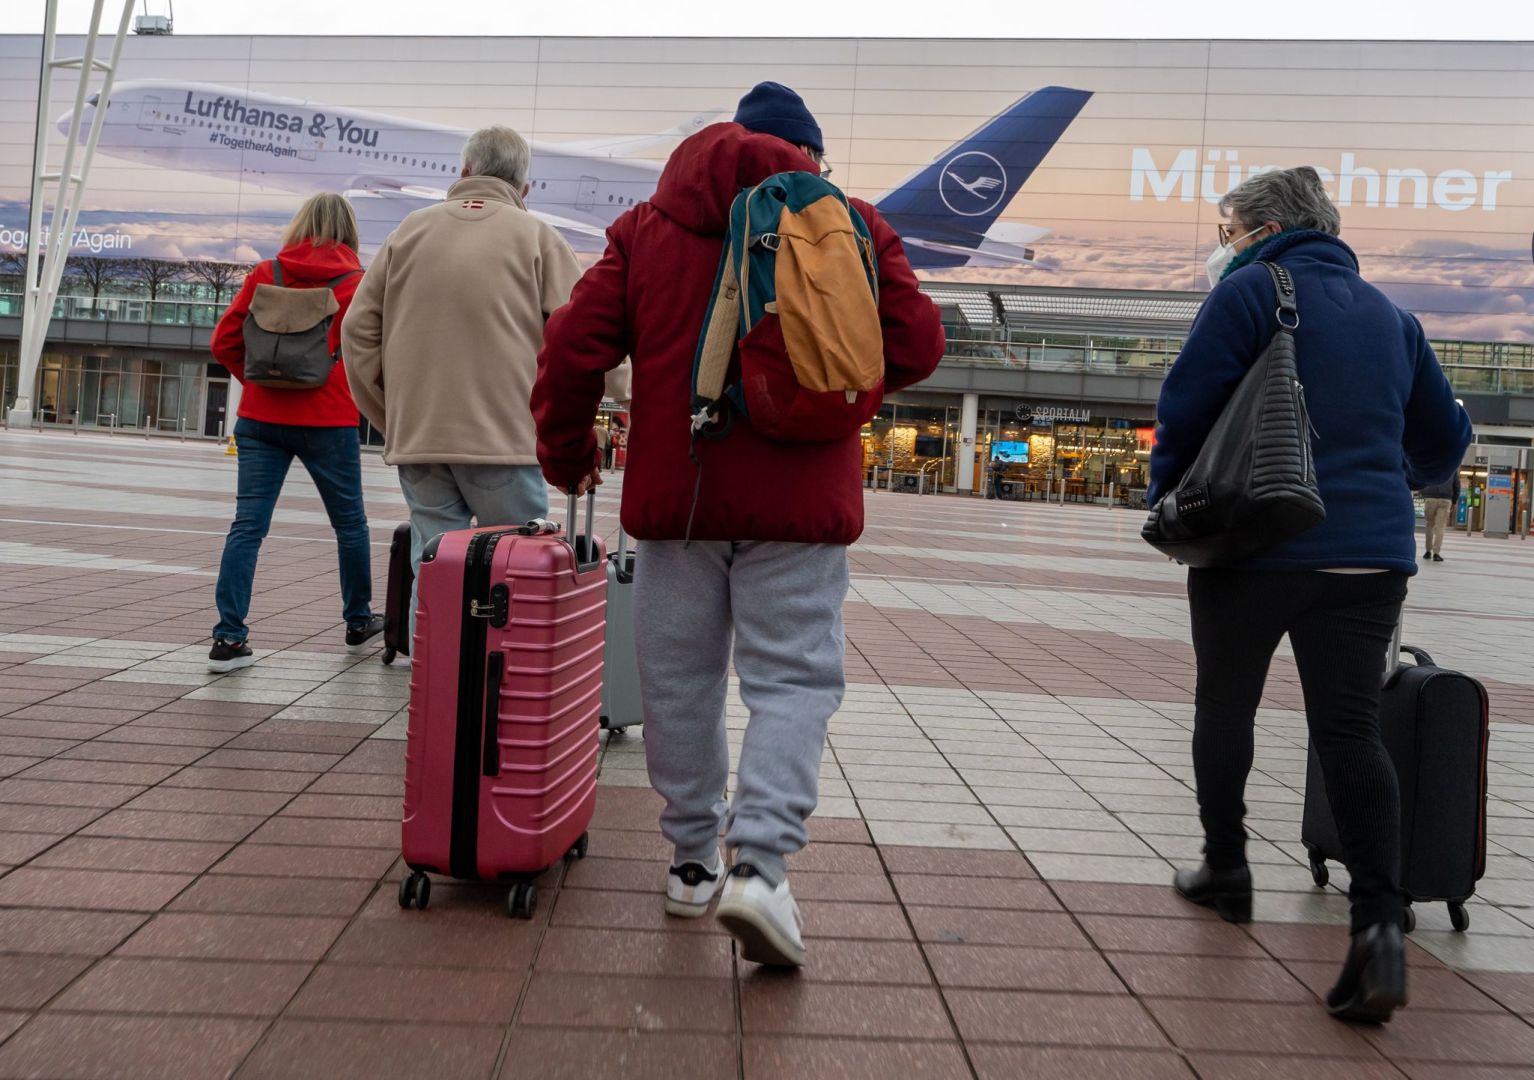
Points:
point(1459, 917)
point(579, 850)
point(1409, 920)
point(522, 901)
point(415, 891)
point(1319, 873)
point(389, 655)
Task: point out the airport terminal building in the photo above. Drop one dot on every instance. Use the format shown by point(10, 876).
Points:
point(1059, 199)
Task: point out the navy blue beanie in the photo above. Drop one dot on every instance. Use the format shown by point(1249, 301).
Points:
point(773, 109)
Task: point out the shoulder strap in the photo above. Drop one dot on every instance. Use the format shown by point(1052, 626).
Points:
point(333, 282)
point(1288, 311)
point(720, 332)
point(277, 273)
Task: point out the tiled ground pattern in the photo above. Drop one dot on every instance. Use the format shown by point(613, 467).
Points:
point(198, 874)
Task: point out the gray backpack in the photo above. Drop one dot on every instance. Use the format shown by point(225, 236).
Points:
point(287, 334)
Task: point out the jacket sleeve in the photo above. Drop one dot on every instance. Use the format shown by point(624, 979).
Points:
point(911, 324)
point(583, 341)
point(228, 343)
point(1230, 332)
point(1438, 429)
point(362, 341)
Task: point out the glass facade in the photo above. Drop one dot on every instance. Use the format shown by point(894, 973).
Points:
point(1106, 455)
point(132, 392)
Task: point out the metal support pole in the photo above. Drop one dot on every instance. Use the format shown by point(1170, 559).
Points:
point(44, 276)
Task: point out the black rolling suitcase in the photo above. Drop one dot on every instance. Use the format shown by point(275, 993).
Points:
point(401, 584)
point(1435, 724)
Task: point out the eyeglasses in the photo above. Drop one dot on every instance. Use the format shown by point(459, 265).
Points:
point(820, 159)
point(1235, 230)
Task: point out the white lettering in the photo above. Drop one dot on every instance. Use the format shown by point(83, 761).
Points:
point(1352, 171)
point(1454, 190)
point(1394, 178)
point(1349, 184)
point(1493, 181)
point(1142, 170)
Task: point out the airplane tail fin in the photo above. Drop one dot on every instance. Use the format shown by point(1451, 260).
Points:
point(956, 199)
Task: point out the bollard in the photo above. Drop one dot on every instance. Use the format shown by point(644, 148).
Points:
point(183, 429)
point(1112, 495)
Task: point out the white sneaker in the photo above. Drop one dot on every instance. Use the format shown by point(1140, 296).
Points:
point(690, 887)
point(765, 920)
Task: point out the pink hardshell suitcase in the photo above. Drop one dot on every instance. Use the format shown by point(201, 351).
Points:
point(505, 695)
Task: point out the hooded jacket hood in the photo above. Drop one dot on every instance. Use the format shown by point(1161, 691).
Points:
point(309, 262)
point(708, 169)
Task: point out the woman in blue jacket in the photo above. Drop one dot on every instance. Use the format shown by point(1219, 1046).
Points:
point(1386, 422)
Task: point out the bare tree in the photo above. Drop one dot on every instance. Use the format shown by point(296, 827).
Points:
point(154, 274)
point(218, 276)
point(13, 270)
point(94, 272)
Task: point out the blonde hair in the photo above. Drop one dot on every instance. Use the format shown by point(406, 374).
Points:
point(326, 218)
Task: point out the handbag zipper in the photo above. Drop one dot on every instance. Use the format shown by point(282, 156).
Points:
point(1310, 428)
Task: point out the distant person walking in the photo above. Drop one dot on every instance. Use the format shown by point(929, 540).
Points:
point(742, 538)
point(998, 471)
point(442, 344)
point(1385, 421)
point(605, 446)
point(318, 426)
point(1438, 502)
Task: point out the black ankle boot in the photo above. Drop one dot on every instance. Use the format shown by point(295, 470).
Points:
point(1229, 892)
point(1373, 980)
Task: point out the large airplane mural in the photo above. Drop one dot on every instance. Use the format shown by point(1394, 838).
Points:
point(947, 211)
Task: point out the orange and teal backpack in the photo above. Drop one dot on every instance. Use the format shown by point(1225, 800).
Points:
point(792, 342)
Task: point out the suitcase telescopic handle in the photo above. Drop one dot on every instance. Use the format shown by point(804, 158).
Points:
point(587, 555)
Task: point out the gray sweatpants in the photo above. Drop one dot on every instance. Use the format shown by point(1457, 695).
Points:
point(780, 606)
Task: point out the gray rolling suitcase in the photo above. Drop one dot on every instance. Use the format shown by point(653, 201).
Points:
point(620, 666)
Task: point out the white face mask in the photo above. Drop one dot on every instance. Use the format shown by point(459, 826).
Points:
point(1223, 256)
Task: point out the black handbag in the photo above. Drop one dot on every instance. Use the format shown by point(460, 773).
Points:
point(1253, 484)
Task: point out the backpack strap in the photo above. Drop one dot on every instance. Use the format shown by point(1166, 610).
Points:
point(333, 282)
point(720, 332)
point(277, 274)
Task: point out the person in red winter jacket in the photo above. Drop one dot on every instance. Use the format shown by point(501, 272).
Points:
point(764, 563)
point(318, 426)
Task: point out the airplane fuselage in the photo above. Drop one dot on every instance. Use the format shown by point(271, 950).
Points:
point(299, 147)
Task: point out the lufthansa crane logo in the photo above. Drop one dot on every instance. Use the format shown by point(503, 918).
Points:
point(972, 183)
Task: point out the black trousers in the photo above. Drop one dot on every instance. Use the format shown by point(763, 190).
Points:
point(1340, 627)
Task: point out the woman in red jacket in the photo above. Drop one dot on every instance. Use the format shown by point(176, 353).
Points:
point(318, 426)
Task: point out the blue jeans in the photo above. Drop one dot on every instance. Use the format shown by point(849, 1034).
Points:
point(334, 461)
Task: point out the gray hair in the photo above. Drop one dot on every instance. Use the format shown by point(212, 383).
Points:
point(1295, 198)
point(498, 151)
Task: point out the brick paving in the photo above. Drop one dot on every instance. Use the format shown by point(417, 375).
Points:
point(198, 873)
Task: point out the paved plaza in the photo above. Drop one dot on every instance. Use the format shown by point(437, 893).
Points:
point(198, 873)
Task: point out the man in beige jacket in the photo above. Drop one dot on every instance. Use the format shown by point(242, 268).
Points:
point(441, 344)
